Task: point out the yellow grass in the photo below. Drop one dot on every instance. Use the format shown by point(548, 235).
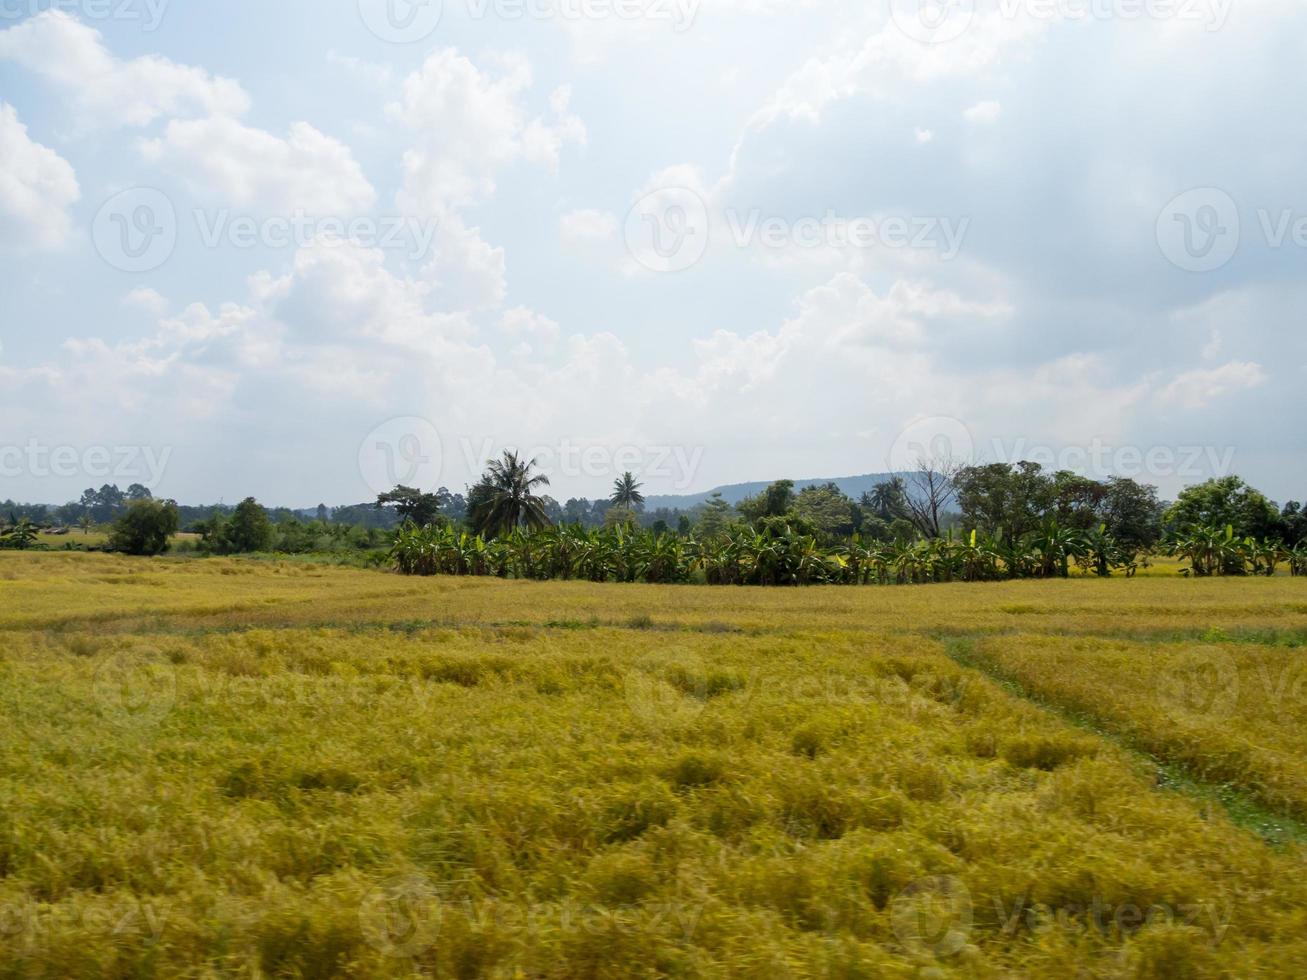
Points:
point(1230, 712)
point(217, 768)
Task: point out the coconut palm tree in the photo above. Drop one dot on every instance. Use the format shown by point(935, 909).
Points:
point(626, 492)
point(505, 497)
point(886, 499)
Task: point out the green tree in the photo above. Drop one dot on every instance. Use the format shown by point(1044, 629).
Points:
point(145, 527)
point(1223, 502)
point(20, 535)
point(1131, 512)
point(716, 517)
point(775, 501)
point(623, 517)
point(1003, 500)
point(505, 498)
point(626, 493)
point(886, 500)
point(249, 529)
point(413, 505)
point(827, 509)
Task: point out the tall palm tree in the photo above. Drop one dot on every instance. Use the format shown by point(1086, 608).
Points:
point(505, 497)
point(626, 492)
point(886, 498)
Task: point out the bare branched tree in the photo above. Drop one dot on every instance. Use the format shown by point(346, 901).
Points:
point(930, 492)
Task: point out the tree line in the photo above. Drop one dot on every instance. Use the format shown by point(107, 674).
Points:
point(944, 522)
point(941, 522)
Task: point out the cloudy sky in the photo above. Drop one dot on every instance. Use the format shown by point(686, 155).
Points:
point(301, 250)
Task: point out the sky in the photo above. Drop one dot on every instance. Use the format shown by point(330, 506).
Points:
point(305, 251)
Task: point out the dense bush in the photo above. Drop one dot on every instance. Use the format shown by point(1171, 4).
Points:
point(144, 528)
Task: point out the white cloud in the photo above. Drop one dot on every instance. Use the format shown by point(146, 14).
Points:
point(466, 272)
point(107, 91)
point(1195, 389)
point(586, 227)
point(147, 300)
point(37, 186)
point(469, 125)
point(521, 322)
point(251, 168)
point(984, 113)
point(372, 73)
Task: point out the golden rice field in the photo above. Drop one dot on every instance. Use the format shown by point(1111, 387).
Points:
point(217, 768)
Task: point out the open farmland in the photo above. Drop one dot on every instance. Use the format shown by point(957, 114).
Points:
point(269, 769)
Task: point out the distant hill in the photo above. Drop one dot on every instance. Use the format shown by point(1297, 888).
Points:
point(854, 486)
